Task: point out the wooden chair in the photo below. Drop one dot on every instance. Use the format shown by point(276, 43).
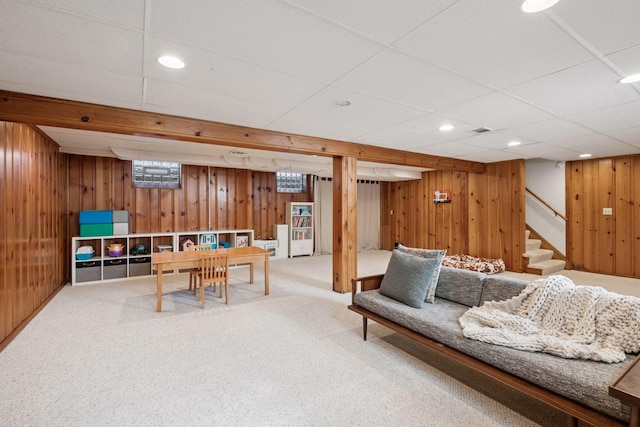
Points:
point(214, 268)
point(194, 271)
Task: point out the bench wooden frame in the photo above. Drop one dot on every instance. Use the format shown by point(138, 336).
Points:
point(574, 410)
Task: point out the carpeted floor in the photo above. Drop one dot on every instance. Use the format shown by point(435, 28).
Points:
point(99, 355)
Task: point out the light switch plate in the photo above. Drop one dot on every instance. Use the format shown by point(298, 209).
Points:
point(607, 211)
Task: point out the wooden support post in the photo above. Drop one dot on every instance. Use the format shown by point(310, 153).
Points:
point(344, 223)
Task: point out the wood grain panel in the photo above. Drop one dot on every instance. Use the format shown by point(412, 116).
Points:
point(485, 217)
point(34, 235)
point(210, 198)
point(623, 221)
point(607, 244)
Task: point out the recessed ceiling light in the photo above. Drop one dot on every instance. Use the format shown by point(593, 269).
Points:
point(532, 6)
point(514, 143)
point(171, 62)
point(585, 155)
point(631, 79)
point(344, 103)
point(445, 128)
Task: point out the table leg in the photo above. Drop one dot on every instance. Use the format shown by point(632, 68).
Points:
point(251, 272)
point(266, 274)
point(634, 421)
point(159, 290)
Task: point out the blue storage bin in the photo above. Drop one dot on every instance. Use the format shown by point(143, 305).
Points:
point(84, 257)
point(95, 217)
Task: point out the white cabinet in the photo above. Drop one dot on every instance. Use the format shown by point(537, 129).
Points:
point(281, 233)
point(137, 250)
point(300, 221)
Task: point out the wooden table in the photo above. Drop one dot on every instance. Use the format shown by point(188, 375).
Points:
point(191, 259)
point(627, 389)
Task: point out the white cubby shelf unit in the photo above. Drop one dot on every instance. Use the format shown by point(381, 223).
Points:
point(138, 249)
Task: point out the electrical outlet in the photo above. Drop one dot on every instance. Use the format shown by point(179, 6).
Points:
point(607, 211)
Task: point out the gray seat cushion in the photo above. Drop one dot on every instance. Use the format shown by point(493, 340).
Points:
point(584, 381)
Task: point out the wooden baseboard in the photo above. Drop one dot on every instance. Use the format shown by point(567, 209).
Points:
point(26, 321)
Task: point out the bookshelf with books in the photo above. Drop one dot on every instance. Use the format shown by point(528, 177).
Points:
point(300, 220)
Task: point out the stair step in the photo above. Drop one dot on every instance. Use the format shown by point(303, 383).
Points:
point(549, 266)
point(538, 255)
point(532, 244)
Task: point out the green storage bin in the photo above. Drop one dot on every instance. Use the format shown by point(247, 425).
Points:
point(93, 230)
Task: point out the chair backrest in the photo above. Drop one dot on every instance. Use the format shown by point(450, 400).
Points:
point(200, 247)
point(214, 266)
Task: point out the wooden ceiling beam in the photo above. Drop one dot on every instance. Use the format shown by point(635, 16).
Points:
point(39, 110)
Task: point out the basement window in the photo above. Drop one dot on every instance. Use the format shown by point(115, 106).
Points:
point(152, 174)
point(289, 182)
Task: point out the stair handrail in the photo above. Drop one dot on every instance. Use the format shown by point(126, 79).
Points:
point(547, 205)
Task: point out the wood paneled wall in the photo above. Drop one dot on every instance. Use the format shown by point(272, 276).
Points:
point(210, 198)
point(34, 247)
point(608, 244)
point(485, 217)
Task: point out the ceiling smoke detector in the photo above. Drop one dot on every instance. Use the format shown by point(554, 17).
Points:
point(481, 130)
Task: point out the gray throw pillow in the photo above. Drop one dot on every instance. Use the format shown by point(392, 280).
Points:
point(407, 278)
point(428, 253)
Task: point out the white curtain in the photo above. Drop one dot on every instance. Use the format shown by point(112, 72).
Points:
point(368, 209)
point(368, 215)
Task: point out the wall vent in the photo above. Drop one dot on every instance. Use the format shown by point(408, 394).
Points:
point(481, 130)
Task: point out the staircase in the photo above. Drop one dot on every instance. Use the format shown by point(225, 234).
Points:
point(540, 260)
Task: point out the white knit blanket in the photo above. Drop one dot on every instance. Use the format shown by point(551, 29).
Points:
point(555, 316)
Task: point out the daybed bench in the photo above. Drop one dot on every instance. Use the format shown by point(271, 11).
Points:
point(579, 388)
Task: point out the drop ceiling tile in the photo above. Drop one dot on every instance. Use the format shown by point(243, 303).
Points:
point(189, 101)
point(494, 140)
point(618, 150)
point(585, 87)
point(546, 151)
point(45, 77)
point(451, 148)
point(492, 156)
point(363, 107)
point(606, 25)
point(393, 138)
point(128, 13)
point(494, 43)
point(213, 71)
point(628, 60)
point(611, 118)
point(429, 125)
point(629, 135)
point(372, 17)
point(591, 143)
point(304, 123)
point(496, 111)
point(69, 38)
point(548, 130)
point(269, 33)
point(404, 79)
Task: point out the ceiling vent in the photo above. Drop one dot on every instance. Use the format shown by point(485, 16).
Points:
point(481, 130)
